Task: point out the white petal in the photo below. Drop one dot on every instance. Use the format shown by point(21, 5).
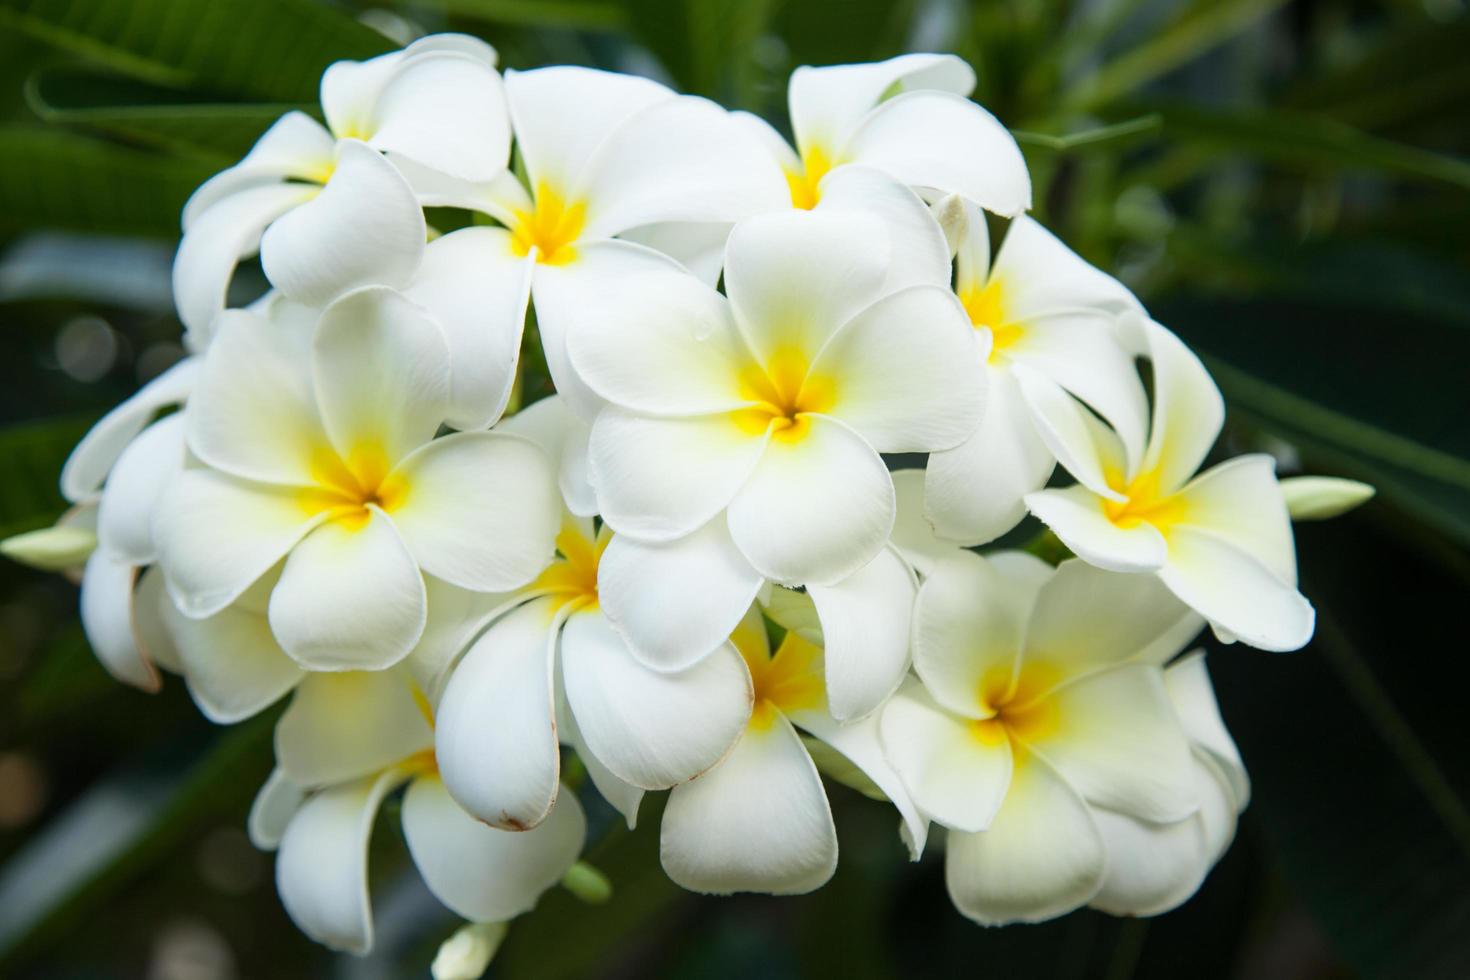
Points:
point(1042, 275)
point(1043, 856)
point(341, 726)
point(295, 146)
point(1230, 587)
point(232, 664)
point(969, 626)
point(1087, 618)
point(456, 617)
point(254, 414)
point(759, 821)
point(643, 495)
point(976, 491)
point(1078, 439)
point(1241, 502)
point(953, 771)
point(480, 510)
point(365, 227)
point(795, 278)
point(906, 372)
point(496, 734)
point(478, 291)
point(816, 509)
point(913, 535)
point(1076, 515)
point(699, 246)
point(94, 457)
point(1116, 740)
point(107, 620)
point(652, 729)
point(218, 238)
point(563, 436)
point(562, 114)
point(676, 602)
point(970, 238)
point(321, 871)
point(142, 473)
point(350, 597)
point(827, 103)
point(624, 797)
point(216, 535)
point(944, 142)
point(865, 630)
point(484, 874)
point(447, 111)
point(272, 809)
point(920, 253)
point(1188, 683)
point(382, 375)
point(151, 603)
point(1188, 410)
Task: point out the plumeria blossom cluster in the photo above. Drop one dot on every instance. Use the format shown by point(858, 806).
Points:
point(692, 569)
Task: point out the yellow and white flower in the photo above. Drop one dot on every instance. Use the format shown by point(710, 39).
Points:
point(1220, 540)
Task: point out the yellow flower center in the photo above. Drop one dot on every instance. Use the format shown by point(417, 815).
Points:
point(571, 579)
point(987, 308)
point(1019, 708)
point(346, 487)
point(784, 391)
point(1145, 503)
point(551, 227)
point(805, 180)
point(790, 680)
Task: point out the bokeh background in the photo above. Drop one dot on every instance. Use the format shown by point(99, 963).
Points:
point(1286, 184)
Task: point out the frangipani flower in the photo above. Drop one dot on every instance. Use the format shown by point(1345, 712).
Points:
point(438, 102)
point(499, 727)
point(1221, 541)
point(744, 434)
point(604, 154)
point(1040, 700)
point(1048, 323)
point(346, 742)
point(760, 821)
point(315, 444)
point(908, 117)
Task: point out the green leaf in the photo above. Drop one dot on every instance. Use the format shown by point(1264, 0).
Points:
point(579, 14)
point(161, 117)
point(54, 179)
point(273, 50)
point(33, 453)
point(705, 44)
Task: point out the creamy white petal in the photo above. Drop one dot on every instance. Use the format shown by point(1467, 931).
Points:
point(816, 509)
point(1075, 514)
point(272, 809)
point(759, 821)
point(920, 253)
point(456, 616)
point(142, 474)
point(1241, 502)
point(677, 601)
point(699, 246)
point(321, 870)
point(976, 491)
point(496, 733)
point(231, 662)
point(955, 772)
point(944, 142)
point(220, 236)
point(1188, 410)
point(865, 630)
point(827, 103)
point(295, 146)
point(477, 290)
point(1074, 435)
point(1188, 683)
point(795, 278)
point(481, 873)
point(1235, 590)
point(365, 227)
point(1042, 275)
point(479, 510)
point(913, 535)
point(447, 111)
point(1042, 856)
point(151, 603)
point(662, 478)
point(93, 457)
point(350, 597)
point(652, 729)
point(623, 796)
point(563, 436)
point(107, 620)
point(346, 725)
point(381, 366)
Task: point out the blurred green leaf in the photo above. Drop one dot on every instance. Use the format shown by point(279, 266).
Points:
point(262, 49)
point(33, 453)
point(53, 179)
point(704, 44)
point(161, 117)
point(582, 14)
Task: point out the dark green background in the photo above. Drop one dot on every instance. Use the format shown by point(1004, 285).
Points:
point(1285, 183)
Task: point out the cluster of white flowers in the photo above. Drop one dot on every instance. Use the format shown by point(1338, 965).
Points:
point(333, 496)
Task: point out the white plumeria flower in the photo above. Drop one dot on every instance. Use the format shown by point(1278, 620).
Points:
point(314, 441)
point(333, 211)
point(1040, 701)
point(604, 154)
point(1047, 322)
point(741, 440)
point(1221, 541)
point(908, 117)
point(550, 668)
point(347, 741)
point(760, 820)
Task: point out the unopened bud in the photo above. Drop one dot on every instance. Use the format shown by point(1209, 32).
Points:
point(51, 549)
point(1316, 498)
point(466, 954)
point(587, 883)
